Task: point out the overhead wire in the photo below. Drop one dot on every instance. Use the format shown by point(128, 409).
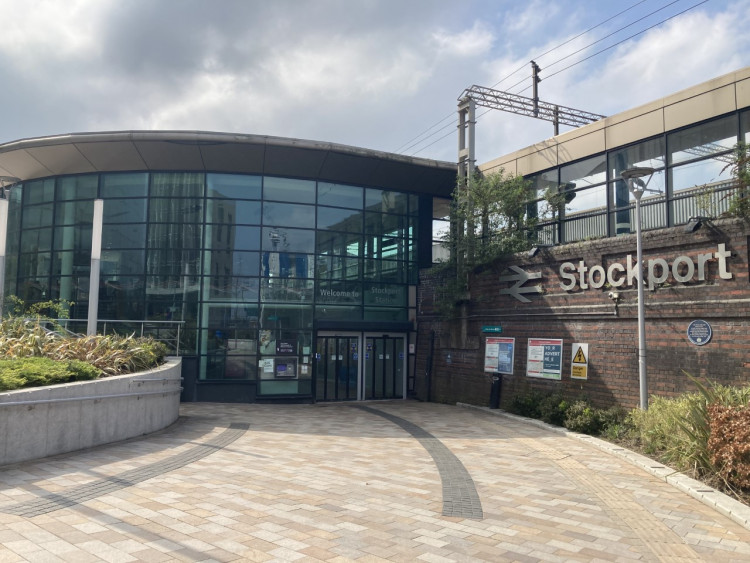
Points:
point(559, 60)
point(416, 140)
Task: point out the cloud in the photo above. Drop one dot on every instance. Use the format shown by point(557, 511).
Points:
point(465, 43)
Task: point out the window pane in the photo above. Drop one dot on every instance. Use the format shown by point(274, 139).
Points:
point(340, 195)
point(74, 212)
point(172, 262)
point(123, 262)
point(586, 173)
point(339, 219)
point(177, 184)
point(174, 235)
point(541, 182)
point(40, 191)
point(703, 140)
point(701, 174)
point(386, 270)
point(162, 210)
point(289, 214)
point(288, 189)
point(36, 240)
point(124, 211)
point(124, 185)
point(77, 187)
point(290, 290)
point(121, 298)
point(123, 236)
point(229, 237)
point(382, 224)
point(231, 263)
point(73, 237)
point(70, 263)
point(290, 240)
point(233, 186)
point(386, 202)
point(341, 244)
point(745, 126)
point(278, 318)
point(413, 204)
point(37, 216)
point(233, 289)
point(649, 154)
point(286, 265)
point(232, 212)
point(337, 268)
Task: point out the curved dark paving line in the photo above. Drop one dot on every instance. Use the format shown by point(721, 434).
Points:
point(460, 497)
point(82, 493)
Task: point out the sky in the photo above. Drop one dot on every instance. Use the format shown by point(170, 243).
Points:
point(378, 74)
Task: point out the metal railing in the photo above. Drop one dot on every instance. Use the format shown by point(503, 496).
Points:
point(167, 332)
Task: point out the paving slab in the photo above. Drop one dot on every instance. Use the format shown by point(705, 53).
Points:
point(375, 481)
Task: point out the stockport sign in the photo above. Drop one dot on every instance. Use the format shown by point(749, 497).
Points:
point(683, 269)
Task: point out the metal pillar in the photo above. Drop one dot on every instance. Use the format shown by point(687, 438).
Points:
point(96, 255)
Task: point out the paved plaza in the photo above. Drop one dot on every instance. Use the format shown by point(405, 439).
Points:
point(380, 481)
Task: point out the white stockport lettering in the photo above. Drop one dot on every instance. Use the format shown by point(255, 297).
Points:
point(683, 270)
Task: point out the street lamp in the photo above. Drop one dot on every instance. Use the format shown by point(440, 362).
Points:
point(636, 185)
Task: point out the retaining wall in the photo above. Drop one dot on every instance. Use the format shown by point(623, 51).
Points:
point(45, 421)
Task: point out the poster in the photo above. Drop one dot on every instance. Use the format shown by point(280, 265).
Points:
point(579, 361)
point(544, 358)
point(499, 355)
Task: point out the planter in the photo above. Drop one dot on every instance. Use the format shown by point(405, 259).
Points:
point(45, 421)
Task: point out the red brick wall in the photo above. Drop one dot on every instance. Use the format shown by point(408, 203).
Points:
point(590, 316)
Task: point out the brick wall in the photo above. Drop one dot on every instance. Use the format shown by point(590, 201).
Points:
point(609, 326)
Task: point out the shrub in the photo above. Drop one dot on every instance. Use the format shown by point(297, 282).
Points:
point(729, 443)
point(552, 409)
point(582, 417)
point(527, 404)
point(112, 354)
point(34, 372)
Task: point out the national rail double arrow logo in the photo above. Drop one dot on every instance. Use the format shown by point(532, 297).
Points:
point(520, 277)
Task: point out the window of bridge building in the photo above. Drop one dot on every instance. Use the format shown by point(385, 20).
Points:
point(584, 186)
point(648, 154)
point(700, 173)
point(537, 208)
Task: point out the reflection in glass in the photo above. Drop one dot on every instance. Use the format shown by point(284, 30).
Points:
point(383, 314)
point(36, 240)
point(386, 202)
point(37, 216)
point(177, 184)
point(123, 236)
point(279, 239)
point(288, 189)
point(337, 268)
point(333, 313)
point(77, 187)
point(342, 244)
point(717, 136)
point(289, 290)
point(162, 210)
point(74, 212)
point(233, 289)
point(124, 185)
point(232, 212)
point(286, 265)
point(340, 219)
point(232, 263)
point(339, 195)
point(289, 214)
point(39, 191)
point(233, 186)
point(124, 211)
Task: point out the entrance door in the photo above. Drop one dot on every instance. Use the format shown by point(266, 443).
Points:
point(337, 367)
point(385, 367)
point(354, 366)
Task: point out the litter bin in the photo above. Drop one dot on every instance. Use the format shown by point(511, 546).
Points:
point(495, 392)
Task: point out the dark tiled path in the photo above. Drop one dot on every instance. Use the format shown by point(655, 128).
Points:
point(393, 481)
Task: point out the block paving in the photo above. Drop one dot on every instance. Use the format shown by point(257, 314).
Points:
point(378, 481)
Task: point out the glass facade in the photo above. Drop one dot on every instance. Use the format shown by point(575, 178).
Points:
point(245, 264)
point(692, 177)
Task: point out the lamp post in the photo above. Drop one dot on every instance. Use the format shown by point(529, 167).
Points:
point(636, 185)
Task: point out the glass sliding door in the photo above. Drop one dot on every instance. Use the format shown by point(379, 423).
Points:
point(384, 367)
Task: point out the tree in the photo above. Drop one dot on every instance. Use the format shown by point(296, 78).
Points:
point(489, 221)
point(739, 205)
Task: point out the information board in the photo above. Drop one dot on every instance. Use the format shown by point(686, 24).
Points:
point(499, 354)
point(544, 358)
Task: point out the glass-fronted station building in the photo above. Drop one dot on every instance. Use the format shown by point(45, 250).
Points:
point(289, 267)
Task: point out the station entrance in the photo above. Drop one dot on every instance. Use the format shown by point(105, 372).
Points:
point(359, 366)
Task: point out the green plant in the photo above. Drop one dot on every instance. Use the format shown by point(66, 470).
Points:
point(112, 354)
point(739, 204)
point(582, 417)
point(34, 372)
point(553, 408)
point(527, 404)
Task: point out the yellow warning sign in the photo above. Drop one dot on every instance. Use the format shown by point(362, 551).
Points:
point(579, 372)
point(580, 357)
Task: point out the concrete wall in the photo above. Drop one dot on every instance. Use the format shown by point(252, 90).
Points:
point(589, 315)
point(45, 421)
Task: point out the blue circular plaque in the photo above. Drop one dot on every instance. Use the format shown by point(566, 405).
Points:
point(699, 332)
